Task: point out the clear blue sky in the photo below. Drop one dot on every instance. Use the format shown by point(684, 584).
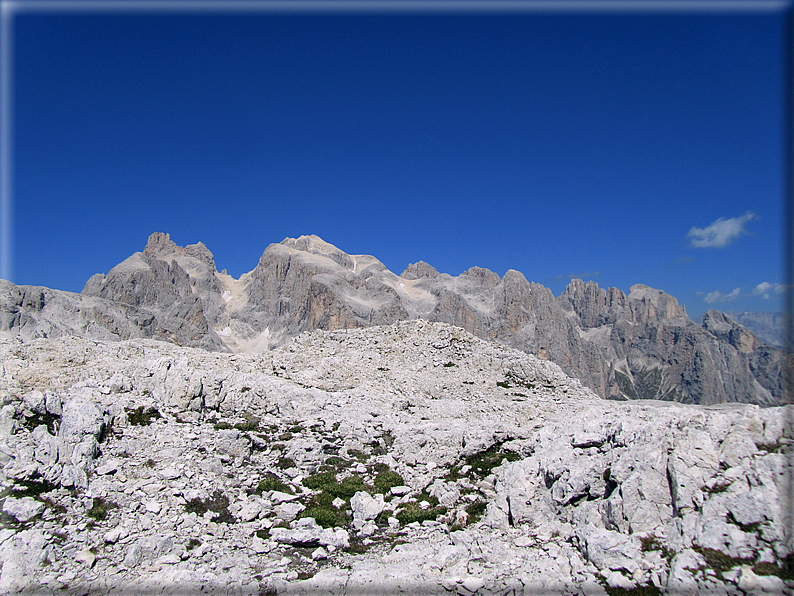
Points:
point(619, 147)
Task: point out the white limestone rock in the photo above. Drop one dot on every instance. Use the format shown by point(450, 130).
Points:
point(365, 507)
point(22, 509)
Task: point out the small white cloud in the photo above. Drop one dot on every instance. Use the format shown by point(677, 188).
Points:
point(717, 296)
point(765, 289)
point(721, 232)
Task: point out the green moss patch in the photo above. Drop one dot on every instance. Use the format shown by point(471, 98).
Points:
point(476, 510)
point(218, 503)
point(29, 488)
point(386, 480)
point(141, 416)
point(100, 508)
point(192, 543)
point(649, 543)
point(718, 487)
point(285, 462)
point(481, 464)
point(412, 512)
point(321, 508)
point(272, 482)
point(784, 569)
point(719, 561)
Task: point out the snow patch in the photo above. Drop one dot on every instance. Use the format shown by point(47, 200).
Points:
point(225, 332)
point(227, 295)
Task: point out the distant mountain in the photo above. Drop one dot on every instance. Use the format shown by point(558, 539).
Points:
point(636, 346)
point(768, 326)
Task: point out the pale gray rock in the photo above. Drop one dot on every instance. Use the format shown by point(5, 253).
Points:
point(574, 489)
point(22, 509)
point(312, 536)
point(609, 550)
point(365, 507)
point(22, 557)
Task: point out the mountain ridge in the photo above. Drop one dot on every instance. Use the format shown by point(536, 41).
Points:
point(639, 345)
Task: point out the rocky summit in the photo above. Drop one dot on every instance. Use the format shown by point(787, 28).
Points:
point(411, 458)
point(639, 345)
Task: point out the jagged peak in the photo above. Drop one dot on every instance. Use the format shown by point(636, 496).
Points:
point(420, 270)
point(484, 276)
point(160, 246)
point(311, 243)
point(159, 243)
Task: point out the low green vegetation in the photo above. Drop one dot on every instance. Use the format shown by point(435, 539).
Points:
point(719, 561)
point(322, 509)
point(99, 508)
point(719, 487)
point(29, 488)
point(783, 569)
point(192, 543)
point(476, 510)
point(386, 480)
point(413, 512)
point(649, 543)
point(771, 447)
point(285, 462)
point(481, 464)
point(141, 416)
point(272, 482)
point(218, 503)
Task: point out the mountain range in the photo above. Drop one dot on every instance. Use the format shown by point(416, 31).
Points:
point(639, 345)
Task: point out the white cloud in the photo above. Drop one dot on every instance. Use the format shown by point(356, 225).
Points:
point(717, 296)
point(721, 232)
point(765, 289)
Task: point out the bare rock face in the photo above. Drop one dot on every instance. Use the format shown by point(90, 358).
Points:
point(411, 458)
point(624, 347)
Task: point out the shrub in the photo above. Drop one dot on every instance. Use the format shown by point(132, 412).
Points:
point(319, 481)
point(272, 482)
point(481, 464)
point(412, 512)
point(285, 462)
point(99, 508)
point(386, 480)
point(218, 503)
point(192, 543)
point(321, 508)
point(476, 510)
point(141, 417)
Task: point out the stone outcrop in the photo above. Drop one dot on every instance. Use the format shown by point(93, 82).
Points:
point(624, 347)
point(408, 458)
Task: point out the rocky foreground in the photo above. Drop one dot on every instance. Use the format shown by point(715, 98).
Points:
point(411, 458)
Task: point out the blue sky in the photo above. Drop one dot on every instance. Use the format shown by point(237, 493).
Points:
point(623, 147)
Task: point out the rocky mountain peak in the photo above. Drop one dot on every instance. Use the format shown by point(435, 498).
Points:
point(160, 244)
point(483, 277)
point(420, 270)
point(315, 245)
point(651, 304)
